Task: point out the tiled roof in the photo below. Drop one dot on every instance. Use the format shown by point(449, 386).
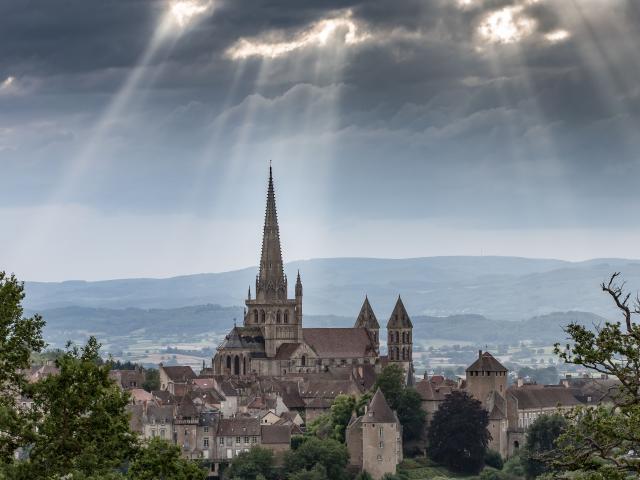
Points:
point(319, 403)
point(276, 434)
point(399, 317)
point(431, 391)
point(230, 427)
point(244, 338)
point(159, 413)
point(537, 398)
point(286, 350)
point(379, 410)
point(366, 318)
point(486, 363)
point(339, 342)
point(179, 373)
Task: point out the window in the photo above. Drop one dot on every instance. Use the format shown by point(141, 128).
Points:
point(254, 439)
point(379, 458)
point(278, 316)
point(381, 444)
point(381, 431)
point(153, 433)
point(255, 316)
point(206, 429)
point(206, 442)
point(303, 360)
point(237, 439)
point(246, 439)
point(186, 433)
point(162, 433)
point(286, 316)
point(221, 441)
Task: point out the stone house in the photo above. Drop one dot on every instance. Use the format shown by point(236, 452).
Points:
point(374, 440)
point(236, 435)
point(175, 378)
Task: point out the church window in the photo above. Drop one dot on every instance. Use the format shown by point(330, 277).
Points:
point(397, 337)
point(221, 440)
point(229, 362)
point(303, 360)
point(255, 316)
point(263, 316)
point(286, 316)
point(278, 316)
point(205, 443)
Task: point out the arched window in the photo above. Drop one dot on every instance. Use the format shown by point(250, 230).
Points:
point(263, 316)
point(286, 316)
point(228, 362)
point(303, 360)
point(244, 365)
point(397, 337)
point(404, 337)
point(236, 365)
point(278, 317)
point(255, 316)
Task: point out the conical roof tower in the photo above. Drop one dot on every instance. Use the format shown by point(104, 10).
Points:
point(271, 282)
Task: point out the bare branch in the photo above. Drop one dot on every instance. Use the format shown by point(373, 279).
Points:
point(616, 292)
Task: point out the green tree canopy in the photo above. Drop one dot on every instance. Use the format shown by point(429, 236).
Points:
point(329, 453)
point(541, 438)
point(249, 465)
point(160, 460)
point(82, 424)
point(406, 401)
point(601, 439)
point(19, 338)
point(458, 435)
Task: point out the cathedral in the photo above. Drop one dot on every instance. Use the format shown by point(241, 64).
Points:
point(273, 342)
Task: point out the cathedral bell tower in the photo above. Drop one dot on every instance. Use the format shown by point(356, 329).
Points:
point(278, 317)
point(400, 339)
point(367, 319)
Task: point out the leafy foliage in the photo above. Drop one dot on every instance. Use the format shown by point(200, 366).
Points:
point(151, 379)
point(599, 439)
point(458, 434)
point(318, 472)
point(249, 465)
point(493, 459)
point(329, 453)
point(541, 438)
point(82, 424)
point(406, 401)
point(19, 337)
point(160, 460)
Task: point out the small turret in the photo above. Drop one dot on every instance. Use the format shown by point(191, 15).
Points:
point(298, 286)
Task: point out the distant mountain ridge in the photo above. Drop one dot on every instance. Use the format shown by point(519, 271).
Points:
point(501, 288)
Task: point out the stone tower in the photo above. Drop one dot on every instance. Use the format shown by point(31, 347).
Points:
point(486, 375)
point(279, 318)
point(374, 440)
point(400, 337)
point(367, 319)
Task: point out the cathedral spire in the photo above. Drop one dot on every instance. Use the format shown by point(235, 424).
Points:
point(271, 281)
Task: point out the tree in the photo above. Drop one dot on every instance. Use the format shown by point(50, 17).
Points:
point(82, 424)
point(160, 460)
point(493, 459)
point(458, 434)
point(329, 453)
point(151, 379)
point(318, 472)
point(404, 400)
point(600, 439)
point(19, 338)
point(541, 438)
point(249, 465)
point(411, 414)
point(391, 382)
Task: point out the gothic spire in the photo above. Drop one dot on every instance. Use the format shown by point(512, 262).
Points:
point(271, 279)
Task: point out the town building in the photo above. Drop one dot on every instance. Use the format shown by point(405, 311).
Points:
point(374, 440)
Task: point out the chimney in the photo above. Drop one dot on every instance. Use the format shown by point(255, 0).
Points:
point(479, 353)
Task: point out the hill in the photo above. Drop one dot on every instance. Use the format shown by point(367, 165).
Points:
point(502, 288)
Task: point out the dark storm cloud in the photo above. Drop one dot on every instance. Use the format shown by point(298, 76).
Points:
point(435, 120)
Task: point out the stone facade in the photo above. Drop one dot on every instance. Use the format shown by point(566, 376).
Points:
point(272, 341)
point(374, 440)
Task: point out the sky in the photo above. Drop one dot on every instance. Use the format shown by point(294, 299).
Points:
point(136, 135)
